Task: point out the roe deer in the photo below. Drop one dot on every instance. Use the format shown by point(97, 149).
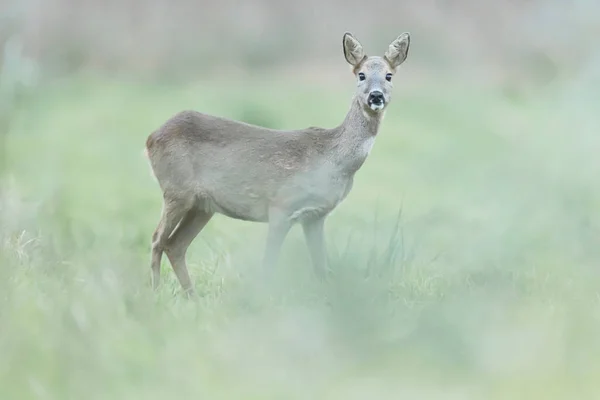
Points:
point(206, 164)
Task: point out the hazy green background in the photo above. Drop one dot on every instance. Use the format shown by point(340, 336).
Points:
point(465, 258)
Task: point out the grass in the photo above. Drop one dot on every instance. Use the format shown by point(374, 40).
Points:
point(484, 286)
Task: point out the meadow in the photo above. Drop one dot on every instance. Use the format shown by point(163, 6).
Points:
point(465, 259)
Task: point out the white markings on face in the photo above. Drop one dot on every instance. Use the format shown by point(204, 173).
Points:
point(372, 80)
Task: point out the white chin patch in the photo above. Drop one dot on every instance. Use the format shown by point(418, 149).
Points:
point(376, 107)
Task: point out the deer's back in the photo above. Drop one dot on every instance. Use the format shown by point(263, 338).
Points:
point(211, 141)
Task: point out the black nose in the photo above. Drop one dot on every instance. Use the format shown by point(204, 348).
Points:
point(376, 97)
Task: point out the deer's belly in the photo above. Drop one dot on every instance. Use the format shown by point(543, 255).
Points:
point(299, 198)
point(315, 201)
point(238, 206)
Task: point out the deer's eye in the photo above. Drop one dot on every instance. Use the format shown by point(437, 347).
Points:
point(361, 76)
point(388, 77)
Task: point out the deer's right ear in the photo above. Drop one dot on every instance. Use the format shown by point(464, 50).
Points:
point(353, 50)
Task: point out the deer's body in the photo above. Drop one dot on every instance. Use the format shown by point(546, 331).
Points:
point(308, 171)
point(206, 164)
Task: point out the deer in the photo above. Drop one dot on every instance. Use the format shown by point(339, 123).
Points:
point(207, 165)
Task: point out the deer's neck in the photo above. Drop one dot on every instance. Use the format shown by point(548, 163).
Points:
point(356, 135)
point(361, 122)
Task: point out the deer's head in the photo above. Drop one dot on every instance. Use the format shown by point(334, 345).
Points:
point(374, 75)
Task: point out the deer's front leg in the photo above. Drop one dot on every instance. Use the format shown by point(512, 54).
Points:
point(315, 240)
point(279, 226)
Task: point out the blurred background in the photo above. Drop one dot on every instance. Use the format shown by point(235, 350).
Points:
point(465, 259)
point(497, 41)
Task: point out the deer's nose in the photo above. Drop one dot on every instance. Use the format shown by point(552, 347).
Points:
point(376, 97)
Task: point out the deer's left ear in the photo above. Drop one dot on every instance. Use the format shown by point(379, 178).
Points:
point(398, 50)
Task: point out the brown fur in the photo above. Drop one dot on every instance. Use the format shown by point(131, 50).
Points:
point(206, 164)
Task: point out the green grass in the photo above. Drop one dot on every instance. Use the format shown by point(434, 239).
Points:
point(485, 286)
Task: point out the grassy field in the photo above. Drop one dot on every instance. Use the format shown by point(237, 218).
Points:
point(465, 258)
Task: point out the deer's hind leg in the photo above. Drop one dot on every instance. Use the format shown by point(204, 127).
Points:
point(179, 242)
point(172, 213)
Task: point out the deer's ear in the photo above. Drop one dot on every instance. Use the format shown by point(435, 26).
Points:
point(353, 50)
point(398, 50)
